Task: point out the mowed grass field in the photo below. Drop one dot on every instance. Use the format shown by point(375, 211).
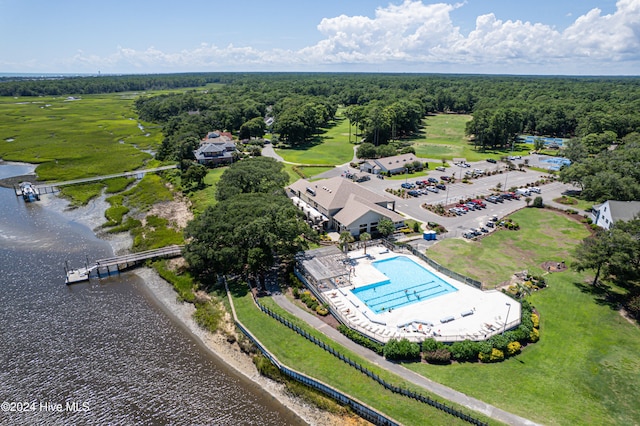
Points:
point(68, 139)
point(585, 369)
point(331, 147)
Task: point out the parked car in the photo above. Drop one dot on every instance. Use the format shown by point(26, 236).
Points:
point(490, 224)
point(441, 186)
point(440, 169)
point(478, 171)
point(363, 178)
point(491, 160)
point(445, 178)
point(484, 230)
point(469, 235)
point(493, 199)
point(432, 180)
point(479, 203)
point(432, 189)
point(414, 193)
point(407, 185)
point(523, 191)
point(535, 189)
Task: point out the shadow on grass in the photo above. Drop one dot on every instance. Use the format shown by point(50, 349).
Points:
point(602, 294)
point(238, 288)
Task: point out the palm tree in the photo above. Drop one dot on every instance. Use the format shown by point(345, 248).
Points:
point(345, 239)
point(527, 200)
point(364, 237)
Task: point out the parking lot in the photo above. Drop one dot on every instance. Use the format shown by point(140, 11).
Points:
point(454, 193)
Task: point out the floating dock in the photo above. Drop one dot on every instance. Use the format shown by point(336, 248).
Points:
point(114, 265)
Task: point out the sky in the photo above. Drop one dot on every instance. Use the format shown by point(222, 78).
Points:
point(542, 37)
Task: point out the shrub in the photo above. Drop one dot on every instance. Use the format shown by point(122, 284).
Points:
point(464, 351)
point(439, 356)
point(361, 339)
point(535, 319)
point(322, 311)
point(534, 336)
point(430, 345)
point(499, 341)
point(633, 306)
point(401, 349)
point(537, 202)
point(495, 355)
point(513, 348)
point(296, 293)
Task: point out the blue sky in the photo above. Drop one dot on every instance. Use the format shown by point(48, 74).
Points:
point(567, 37)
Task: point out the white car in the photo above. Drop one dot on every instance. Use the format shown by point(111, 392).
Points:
point(535, 189)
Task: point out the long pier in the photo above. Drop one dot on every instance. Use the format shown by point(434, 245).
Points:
point(52, 187)
point(113, 265)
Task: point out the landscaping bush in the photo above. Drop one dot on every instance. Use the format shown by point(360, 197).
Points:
point(499, 341)
point(495, 355)
point(401, 349)
point(430, 345)
point(535, 319)
point(439, 356)
point(537, 202)
point(466, 350)
point(322, 310)
point(360, 339)
point(513, 348)
point(534, 336)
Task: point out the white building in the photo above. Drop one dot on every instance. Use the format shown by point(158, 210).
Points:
point(609, 212)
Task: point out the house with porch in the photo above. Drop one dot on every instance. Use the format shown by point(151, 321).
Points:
point(215, 148)
point(339, 204)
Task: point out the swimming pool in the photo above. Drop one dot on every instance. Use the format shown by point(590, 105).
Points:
point(407, 283)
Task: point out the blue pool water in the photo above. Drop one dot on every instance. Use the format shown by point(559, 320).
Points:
point(407, 283)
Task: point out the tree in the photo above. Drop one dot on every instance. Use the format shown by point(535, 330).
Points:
point(527, 200)
point(244, 234)
point(259, 174)
point(366, 150)
point(364, 237)
point(386, 227)
point(345, 239)
point(193, 176)
point(538, 202)
point(538, 144)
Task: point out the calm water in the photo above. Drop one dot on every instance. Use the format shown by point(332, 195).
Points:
point(408, 283)
point(103, 347)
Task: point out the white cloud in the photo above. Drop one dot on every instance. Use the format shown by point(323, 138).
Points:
point(413, 34)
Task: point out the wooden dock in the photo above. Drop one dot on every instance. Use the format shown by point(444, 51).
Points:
point(114, 265)
point(52, 187)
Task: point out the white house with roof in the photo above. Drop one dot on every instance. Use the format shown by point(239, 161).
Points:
point(611, 211)
point(342, 205)
point(394, 165)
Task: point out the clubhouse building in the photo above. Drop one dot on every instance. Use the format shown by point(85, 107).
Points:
point(338, 204)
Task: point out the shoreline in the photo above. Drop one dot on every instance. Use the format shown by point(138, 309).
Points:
point(162, 292)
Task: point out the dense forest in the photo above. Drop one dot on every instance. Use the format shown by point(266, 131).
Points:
point(597, 113)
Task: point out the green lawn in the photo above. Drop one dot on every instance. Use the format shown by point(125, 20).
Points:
point(585, 368)
point(443, 136)
point(331, 147)
point(306, 357)
point(543, 236)
point(207, 197)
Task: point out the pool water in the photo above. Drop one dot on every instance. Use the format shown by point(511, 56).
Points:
point(407, 283)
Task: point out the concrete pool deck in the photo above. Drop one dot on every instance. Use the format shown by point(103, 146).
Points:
point(468, 313)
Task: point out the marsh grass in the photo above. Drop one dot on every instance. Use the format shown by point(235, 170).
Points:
point(96, 135)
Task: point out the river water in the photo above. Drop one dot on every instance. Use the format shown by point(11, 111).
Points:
point(100, 352)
